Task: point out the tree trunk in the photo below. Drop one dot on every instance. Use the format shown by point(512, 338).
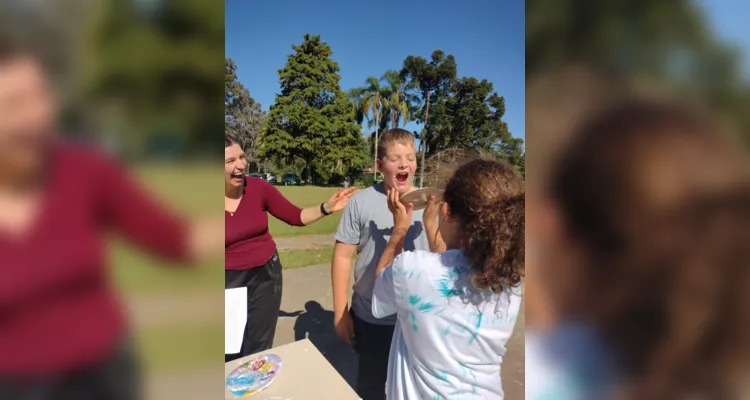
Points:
point(437, 168)
point(309, 172)
point(375, 152)
point(424, 140)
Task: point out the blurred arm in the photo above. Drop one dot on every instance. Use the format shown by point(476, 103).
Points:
point(138, 216)
point(206, 239)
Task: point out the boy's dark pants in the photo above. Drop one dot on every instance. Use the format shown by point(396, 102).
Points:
point(373, 344)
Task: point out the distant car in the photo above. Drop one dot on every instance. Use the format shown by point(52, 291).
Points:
point(271, 178)
point(259, 176)
point(291, 179)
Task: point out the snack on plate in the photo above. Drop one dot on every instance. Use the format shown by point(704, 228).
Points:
point(254, 376)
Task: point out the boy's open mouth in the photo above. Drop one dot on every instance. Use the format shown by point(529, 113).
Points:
point(237, 176)
point(402, 177)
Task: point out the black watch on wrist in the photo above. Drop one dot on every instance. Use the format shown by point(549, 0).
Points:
point(323, 210)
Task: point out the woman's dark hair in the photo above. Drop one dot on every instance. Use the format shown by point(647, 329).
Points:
point(658, 200)
point(230, 140)
point(486, 196)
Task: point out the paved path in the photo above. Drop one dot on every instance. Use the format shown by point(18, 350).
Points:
point(307, 311)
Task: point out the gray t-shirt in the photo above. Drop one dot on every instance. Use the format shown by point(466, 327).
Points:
point(367, 222)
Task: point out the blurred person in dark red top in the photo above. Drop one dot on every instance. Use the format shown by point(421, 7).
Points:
point(63, 334)
point(251, 259)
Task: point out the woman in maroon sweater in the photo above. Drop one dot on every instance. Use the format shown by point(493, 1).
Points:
point(63, 333)
point(251, 259)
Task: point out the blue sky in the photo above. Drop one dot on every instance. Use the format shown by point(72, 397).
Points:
point(728, 19)
point(368, 38)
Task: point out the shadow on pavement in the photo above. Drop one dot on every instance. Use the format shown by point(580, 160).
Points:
point(316, 324)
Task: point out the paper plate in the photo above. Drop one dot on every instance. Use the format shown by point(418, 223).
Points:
point(419, 197)
point(254, 376)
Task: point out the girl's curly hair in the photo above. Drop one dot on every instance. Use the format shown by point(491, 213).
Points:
point(658, 198)
point(487, 198)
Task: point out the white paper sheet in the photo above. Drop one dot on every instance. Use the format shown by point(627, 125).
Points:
point(235, 319)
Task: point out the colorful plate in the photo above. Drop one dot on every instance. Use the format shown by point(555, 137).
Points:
point(254, 376)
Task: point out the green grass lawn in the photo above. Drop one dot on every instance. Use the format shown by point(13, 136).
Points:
point(306, 196)
point(171, 348)
point(304, 258)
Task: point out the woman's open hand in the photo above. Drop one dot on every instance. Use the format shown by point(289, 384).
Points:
point(402, 215)
point(338, 201)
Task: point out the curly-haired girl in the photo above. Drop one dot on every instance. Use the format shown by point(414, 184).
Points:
point(456, 309)
point(646, 260)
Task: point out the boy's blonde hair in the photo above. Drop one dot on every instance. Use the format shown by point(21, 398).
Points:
point(393, 136)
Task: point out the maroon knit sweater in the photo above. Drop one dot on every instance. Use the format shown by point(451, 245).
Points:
point(247, 242)
point(58, 307)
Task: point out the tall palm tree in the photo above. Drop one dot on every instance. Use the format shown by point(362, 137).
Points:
point(398, 100)
point(369, 101)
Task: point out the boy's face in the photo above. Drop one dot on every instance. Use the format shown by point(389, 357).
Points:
point(398, 166)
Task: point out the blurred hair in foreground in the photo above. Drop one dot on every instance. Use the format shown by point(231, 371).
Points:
point(639, 209)
point(76, 70)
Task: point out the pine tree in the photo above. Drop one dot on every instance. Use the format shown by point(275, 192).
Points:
point(312, 119)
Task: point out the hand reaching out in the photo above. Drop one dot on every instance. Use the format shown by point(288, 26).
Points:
point(338, 201)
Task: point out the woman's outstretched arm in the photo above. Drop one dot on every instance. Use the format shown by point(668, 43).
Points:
point(337, 202)
point(281, 208)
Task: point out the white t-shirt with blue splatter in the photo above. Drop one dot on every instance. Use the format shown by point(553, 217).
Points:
point(450, 338)
point(568, 362)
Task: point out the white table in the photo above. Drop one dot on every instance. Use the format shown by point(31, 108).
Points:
point(305, 375)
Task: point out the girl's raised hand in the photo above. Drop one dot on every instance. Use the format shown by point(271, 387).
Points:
point(430, 213)
point(402, 215)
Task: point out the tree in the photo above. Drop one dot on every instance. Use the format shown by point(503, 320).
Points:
point(370, 104)
point(312, 119)
point(243, 116)
point(233, 89)
point(427, 78)
point(669, 43)
point(469, 115)
point(154, 70)
point(398, 99)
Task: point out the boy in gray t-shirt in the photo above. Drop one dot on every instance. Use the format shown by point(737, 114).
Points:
point(364, 230)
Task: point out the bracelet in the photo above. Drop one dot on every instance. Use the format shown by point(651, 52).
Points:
point(323, 210)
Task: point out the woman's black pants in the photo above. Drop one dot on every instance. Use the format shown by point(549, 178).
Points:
point(263, 304)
